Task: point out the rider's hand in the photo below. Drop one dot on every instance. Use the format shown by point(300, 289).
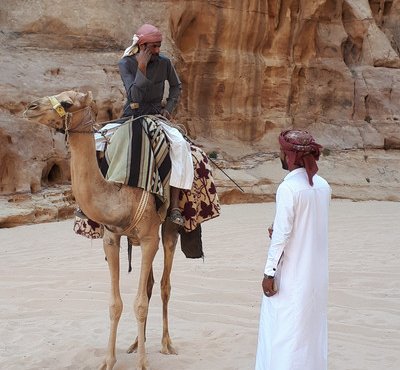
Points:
point(166, 114)
point(270, 231)
point(143, 58)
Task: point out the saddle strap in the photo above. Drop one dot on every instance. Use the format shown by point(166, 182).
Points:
point(139, 212)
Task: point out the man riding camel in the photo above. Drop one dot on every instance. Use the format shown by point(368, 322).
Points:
point(143, 72)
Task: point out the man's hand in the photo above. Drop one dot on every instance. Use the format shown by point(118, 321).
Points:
point(270, 231)
point(166, 114)
point(268, 286)
point(143, 58)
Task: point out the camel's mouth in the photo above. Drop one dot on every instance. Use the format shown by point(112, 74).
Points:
point(27, 114)
point(31, 115)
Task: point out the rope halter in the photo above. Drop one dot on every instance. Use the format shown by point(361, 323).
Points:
point(81, 121)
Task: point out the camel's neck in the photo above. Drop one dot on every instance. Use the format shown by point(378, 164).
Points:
point(87, 180)
point(85, 173)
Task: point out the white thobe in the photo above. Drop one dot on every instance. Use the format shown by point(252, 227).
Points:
point(182, 171)
point(293, 322)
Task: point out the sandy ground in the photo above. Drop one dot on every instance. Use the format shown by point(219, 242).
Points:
point(54, 290)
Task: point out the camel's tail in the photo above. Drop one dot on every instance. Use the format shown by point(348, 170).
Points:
point(129, 255)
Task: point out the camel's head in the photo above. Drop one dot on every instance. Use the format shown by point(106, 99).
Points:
point(50, 110)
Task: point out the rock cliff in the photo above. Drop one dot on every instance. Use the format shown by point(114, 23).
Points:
point(249, 69)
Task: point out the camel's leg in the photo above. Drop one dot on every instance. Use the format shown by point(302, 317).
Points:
point(150, 284)
point(149, 246)
point(169, 238)
point(111, 249)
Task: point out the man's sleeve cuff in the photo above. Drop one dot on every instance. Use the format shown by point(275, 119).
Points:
point(270, 271)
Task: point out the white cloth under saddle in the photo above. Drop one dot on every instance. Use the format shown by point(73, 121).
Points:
point(103, 136)
point(181, 158)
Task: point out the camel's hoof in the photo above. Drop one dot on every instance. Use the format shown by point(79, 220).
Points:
point(168, 350)
point(107, 365)
point(142, 365)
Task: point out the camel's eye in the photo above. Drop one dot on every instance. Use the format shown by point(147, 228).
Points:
point(66, 104)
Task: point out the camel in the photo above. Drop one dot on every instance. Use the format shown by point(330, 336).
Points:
point(124, 210)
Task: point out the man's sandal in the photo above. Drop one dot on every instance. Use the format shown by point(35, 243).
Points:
point(176, 216)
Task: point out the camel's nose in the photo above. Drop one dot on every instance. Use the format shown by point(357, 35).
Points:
point(32, 106)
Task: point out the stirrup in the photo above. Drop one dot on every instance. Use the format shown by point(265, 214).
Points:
point(176, 216)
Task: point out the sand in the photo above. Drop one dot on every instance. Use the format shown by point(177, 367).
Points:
point(54, 289)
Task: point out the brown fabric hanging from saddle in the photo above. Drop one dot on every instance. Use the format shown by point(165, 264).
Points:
point(201, 202)
point(191, 243)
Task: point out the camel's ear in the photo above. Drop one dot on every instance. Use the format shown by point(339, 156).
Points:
point(85, 98)
point(89, 97)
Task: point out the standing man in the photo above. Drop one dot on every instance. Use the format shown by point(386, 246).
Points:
point(144, 71)
point(293, 319)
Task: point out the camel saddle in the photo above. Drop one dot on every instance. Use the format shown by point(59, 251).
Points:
point(138, 155)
